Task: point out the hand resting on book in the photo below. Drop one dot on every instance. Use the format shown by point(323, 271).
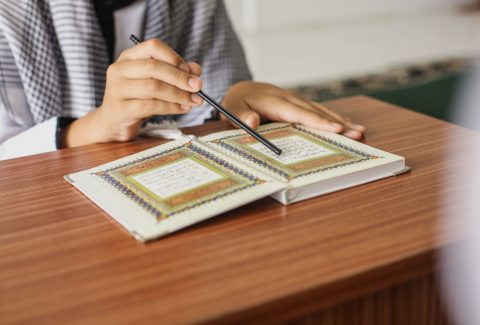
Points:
point(152, 79)
point(251, 101)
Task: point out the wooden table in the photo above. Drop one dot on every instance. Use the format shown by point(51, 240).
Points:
point(360, 256)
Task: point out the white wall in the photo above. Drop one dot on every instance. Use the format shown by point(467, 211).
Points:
point(295, 42)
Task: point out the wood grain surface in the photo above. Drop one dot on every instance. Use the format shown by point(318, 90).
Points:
point(63, 260)
point(413, 302)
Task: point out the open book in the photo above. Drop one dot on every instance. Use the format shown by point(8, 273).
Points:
point(158, 191)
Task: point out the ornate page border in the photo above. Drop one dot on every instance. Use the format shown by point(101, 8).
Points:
point(355, 156)
point(238, 180)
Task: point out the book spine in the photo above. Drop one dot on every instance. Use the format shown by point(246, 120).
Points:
point(224, 153)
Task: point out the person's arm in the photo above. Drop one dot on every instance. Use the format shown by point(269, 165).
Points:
point(251, 101)
point(147, 79)
point(18, 136)
point(29, 141)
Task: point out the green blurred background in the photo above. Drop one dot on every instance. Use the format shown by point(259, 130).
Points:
point(426, 88)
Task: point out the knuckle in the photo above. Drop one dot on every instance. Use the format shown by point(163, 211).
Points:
point(154, 43)
point(177, 60)
point(181, 78)
point(123, 55)
point(121, 138)
point(124, 137)
point(185, 97)
point(112, 70)
point(151, 64)
point(148, 107)
point(125, 134)
point(154, 87)
point(173, 107)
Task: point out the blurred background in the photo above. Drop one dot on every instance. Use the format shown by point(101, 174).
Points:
point(418, 54)
point(412, 52)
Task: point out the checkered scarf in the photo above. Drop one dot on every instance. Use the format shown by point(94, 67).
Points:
point(55, 50)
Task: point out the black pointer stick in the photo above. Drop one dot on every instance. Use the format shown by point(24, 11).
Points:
point(230, 115)
point(240, 123)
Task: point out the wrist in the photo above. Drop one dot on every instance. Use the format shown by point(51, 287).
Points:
point(62, 124)
point(85, 130)
point(97, 127)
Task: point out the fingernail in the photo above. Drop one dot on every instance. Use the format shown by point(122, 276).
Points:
point(185, 107)
point(336, 126)
point(195, 83)
point(353, 134)
point(184, 67)
point(252, 119)
point(360, 127)
point(197, 99)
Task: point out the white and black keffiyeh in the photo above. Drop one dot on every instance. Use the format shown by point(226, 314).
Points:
point(56, 51)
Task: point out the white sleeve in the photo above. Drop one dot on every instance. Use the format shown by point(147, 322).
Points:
point(18, 134)
point(36, 139)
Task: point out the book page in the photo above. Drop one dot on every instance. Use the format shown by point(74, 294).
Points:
point(304, 152)
point(175, 178)
point(165, 188)
point(182, 178)
point(294, 149)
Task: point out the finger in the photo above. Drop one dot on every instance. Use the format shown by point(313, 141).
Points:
point(351, 130)
point(352, 134)
point(325, 113)
point(359, 128)
point(145, 108)
point(347, 122)
point(329, 112)
point(289, 112)
point(306, 104)
point(191, 67)
point(195, 68)
point(156, 89)
point(244, 113)
point(155, 49)
point(155, 69)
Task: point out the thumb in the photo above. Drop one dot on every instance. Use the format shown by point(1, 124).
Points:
point(251, 118)
point(245, 113)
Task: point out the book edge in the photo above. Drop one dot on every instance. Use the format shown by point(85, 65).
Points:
point(89, 187)
point(285, 196)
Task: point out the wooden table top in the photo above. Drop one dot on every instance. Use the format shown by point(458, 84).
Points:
point(63, 260)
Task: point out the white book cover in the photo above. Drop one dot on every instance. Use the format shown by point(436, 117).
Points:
point(169, 187)
point(312, 163)
point(158, 191)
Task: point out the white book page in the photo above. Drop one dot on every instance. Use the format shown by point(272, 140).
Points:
point(295, 149)
point(171, 186)
point(308, 155)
